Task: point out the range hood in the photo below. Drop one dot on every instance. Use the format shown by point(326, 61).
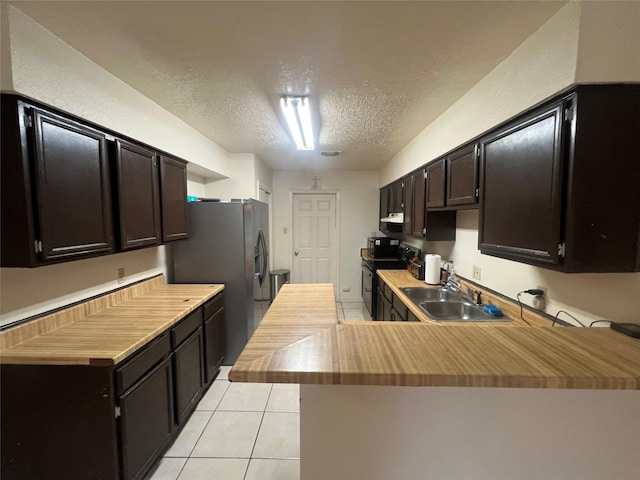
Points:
point(393, 218)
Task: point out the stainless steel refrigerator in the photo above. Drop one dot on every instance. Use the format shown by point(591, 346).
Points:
point(228, 243)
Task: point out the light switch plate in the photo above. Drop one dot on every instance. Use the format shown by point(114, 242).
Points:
point(477, 272)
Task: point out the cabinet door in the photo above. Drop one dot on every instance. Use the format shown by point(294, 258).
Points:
point(215, 341)
point(396, 197)
point(138, 199)
point(384, 207)
point(379, 305)
point(407, 227)
point(418, 218)
point(462, 176)
point(72, 188)
point(521, 189)
point(189, 374)
point(387, 309)
point(401, 310)
point(435, 184)
point(173, 194)
point(146, 421)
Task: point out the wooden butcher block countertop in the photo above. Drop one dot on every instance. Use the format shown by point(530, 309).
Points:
point(104, 331)
point(301, 341)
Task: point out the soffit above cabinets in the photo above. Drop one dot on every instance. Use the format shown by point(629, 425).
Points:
point(377, 73)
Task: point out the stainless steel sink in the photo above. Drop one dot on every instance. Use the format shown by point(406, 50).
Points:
point(460, 311)
point(423, 294)
point(442, 304)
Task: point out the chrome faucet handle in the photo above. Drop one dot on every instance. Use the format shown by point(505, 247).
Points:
point(471, 293)
point(451, 282)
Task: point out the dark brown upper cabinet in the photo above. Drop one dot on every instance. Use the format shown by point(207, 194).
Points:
point(69, 188)
point(138, 195)
point(522, 187)
point(384, 207)
point(56, 200)
point(173, 194)
point(407, 202)
point(436, 176)
point(396, 197)
point(419, 188)
point(558, 186)
point(462, 176)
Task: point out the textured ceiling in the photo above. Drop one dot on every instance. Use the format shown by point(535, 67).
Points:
point(377, 72)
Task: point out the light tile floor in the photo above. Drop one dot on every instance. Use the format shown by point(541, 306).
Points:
point(243, 431)
point(352, 311)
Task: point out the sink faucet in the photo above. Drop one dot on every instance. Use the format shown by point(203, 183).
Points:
point(453, 284)
point(471, 292)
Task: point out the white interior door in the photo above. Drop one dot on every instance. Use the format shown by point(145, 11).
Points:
point(315, 239)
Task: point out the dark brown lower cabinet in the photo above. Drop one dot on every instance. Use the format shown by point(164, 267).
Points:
point(71, 422)
point(58, 423)
point(146, 420)
point(380, 305)
point(189, 373)
point(401, 310)
point(215, 343)
point(387, 312)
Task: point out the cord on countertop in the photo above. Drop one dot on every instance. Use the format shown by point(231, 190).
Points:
point(598, 321)
point(567, 313)
point(520, 303)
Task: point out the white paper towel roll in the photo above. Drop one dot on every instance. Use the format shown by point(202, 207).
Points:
point(432, 262)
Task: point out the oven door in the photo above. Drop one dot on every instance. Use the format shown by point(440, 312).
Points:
point(368, 287)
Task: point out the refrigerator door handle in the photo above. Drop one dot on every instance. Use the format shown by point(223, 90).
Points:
point(261, 254)
point(265, 257)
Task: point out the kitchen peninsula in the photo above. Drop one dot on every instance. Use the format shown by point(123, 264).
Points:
point(419, 400)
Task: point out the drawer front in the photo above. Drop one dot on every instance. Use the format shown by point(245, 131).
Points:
point(186, 327)
point(386, 289)
point(401, 308)
point(142, 362)
point(213, 305)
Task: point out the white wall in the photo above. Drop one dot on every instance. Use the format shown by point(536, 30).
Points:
point(435, 433)
point(44, 68)
point(195, 185)
point(569, 47)
point(543, 65)
point(264, 174)
point(358, 218)
point(29, 291)
point(49, 70)
point(608, 55)
point(245, 170)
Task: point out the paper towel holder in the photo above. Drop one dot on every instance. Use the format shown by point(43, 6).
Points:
point(432, 265)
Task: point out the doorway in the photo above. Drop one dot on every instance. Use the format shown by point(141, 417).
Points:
point(315, 238)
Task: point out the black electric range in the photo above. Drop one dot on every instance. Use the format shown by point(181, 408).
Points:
point(370, 279)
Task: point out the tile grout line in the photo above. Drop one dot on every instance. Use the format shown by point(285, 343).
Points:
point(255, 440)
point(206, 424)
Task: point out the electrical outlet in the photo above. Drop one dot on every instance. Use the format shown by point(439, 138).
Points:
point(477, 272)
point(121, 275)
point(540, 301)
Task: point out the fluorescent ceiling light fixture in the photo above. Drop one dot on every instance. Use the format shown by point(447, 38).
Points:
point(298, 115)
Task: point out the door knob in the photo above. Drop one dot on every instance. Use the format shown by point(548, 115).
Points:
point(296, 253)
